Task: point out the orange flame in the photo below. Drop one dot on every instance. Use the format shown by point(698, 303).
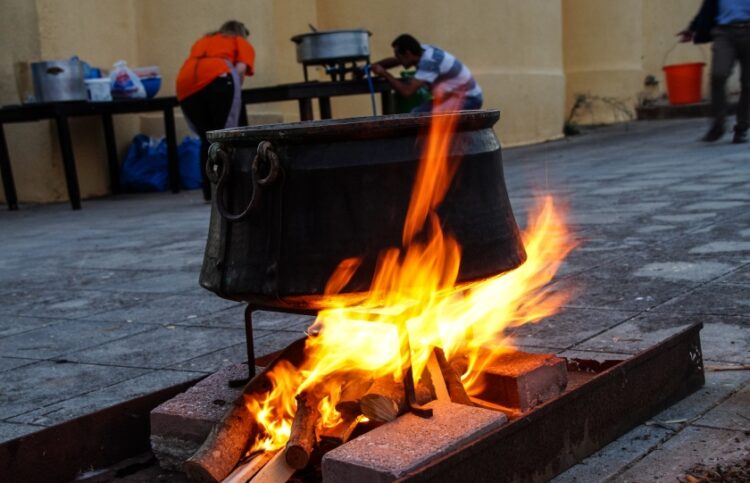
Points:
point(414, 297)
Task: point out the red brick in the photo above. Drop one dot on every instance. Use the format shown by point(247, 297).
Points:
point(524, 380)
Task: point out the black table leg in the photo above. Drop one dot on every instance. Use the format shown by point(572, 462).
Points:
point(114, 165)
point(174, 162)
point(325, 107)
point(69, 162)
point(305, 109)
point(249, 340)
point(386, 102)
point(8, 184)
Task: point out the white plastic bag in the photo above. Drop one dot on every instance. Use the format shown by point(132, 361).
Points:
point(125, 84)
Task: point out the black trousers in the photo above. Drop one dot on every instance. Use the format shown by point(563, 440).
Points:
point(208, 110)
point(731, 44)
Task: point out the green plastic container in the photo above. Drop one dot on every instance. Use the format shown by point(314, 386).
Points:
point(406, 104)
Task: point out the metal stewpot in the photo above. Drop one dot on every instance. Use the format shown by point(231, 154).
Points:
point(332, 46)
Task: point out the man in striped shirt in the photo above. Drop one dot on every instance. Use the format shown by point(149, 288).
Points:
point(451, 82)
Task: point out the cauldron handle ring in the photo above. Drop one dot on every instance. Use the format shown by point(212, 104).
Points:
point(218, 169)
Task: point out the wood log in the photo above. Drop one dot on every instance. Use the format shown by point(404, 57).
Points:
point(302, 437)
point(385, 399)
point(433, 367)
point(340, 434)
point(223, 446)
point(249, 469)
point(452, 379)
point(351, 394)
point(276, 471)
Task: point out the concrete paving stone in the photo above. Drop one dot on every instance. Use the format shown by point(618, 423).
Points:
point(734, 413)
point(10, 431)
point(8, 363)
point(281, 321)
point(686, 218)
point(16, 324)
point(732, 195)
point(608, 461)
point(723, 246)
point(391, 451)
point(65, 336)
point(38, 277)
point(78, 304)
point(609, 288)
point(698, 271)
point(214, 361)
point(713, 298)
point(160, 348)
point(718, 387)
point(19, 300)
point(692, 445)
point(168, 309)
point(267, 341)
point(33, 386)
point(722, 338)
point(104, 397)
point(714, 205)
point(567, 328)
point(740, 276)
point(161, 282)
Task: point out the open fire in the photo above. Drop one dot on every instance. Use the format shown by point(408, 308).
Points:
point(369, 344)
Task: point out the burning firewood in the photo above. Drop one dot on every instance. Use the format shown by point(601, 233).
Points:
point(351, 394)
point(340, 434)
point(302, 437)
point(224, 445)
point(276, 471)
point(248, 470)
point(452, 379)
point(385, 400)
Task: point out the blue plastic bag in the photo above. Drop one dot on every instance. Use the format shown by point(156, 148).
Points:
point(145, 165)
point(189, 153)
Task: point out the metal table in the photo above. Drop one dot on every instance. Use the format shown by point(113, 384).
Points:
point(303, 93)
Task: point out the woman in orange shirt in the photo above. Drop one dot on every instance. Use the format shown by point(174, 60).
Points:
point(210, 81)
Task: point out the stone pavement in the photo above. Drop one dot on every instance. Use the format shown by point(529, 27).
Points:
point(102, 305)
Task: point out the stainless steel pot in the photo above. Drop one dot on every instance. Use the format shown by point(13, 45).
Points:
point(58, 80)
point(330, 46)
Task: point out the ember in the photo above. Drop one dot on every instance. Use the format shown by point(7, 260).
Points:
point(416, 318)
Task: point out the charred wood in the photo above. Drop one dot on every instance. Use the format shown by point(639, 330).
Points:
point(224, 446)
point(452, 379)
point(302, 437)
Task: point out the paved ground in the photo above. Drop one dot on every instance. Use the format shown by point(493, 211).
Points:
point(102, 305)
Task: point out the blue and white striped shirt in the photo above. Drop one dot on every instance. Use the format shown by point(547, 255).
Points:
point(446, 74)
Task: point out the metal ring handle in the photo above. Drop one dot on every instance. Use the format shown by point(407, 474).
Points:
point(218, 168)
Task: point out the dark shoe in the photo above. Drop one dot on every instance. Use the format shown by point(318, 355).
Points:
point(714, 134)
point(740, 136)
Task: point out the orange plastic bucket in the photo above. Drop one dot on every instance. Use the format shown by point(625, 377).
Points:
point(684, 82)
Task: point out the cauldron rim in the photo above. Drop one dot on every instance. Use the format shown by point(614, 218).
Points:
point(363, 127)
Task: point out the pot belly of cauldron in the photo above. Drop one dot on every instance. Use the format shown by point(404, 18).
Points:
point(346, 195)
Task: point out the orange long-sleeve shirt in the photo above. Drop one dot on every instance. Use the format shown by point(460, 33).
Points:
point(207, 62)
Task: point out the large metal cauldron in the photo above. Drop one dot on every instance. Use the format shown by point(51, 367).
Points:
point(291, 201)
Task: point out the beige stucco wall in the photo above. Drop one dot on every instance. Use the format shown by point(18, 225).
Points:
point(610, 47)
point(142, 32)
point(514, 49)
point(530, 57)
